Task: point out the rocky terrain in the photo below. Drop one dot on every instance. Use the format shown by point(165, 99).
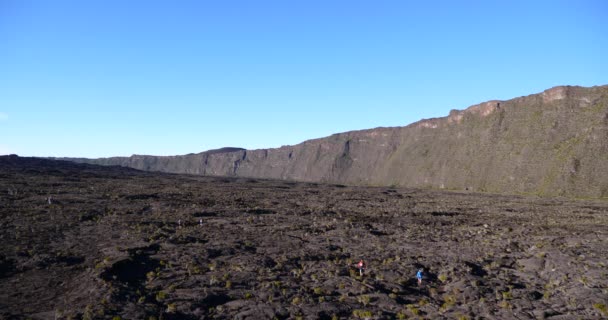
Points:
point(554, 143)
point(88, 242)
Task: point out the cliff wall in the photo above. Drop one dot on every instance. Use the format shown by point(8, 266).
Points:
point(552, 143)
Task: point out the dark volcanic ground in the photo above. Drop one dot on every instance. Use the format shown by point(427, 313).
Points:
point(110, 244)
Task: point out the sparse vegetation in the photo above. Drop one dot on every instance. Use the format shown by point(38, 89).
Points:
point(171, 308)
point(362, 314)
point(364, 300)
point(413, 309)
point(294, 255)
point(161, 296)
point(602, 308)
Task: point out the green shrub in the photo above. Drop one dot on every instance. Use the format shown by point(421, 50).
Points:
point(171, 308)
point(601, 307)
point(449, 299)
point(364, 300)
point(361, 314)
point(150, 275)
point(412, 308)
point(160, 296)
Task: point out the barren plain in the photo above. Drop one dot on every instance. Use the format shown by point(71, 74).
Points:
point(88, 242)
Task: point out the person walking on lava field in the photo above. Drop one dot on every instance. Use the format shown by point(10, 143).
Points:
point(419, 276)
point(361, 267)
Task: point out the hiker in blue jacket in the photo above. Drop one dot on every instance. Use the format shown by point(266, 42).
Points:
point(419, 276)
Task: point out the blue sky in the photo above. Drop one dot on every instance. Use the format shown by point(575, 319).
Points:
point(115, 78)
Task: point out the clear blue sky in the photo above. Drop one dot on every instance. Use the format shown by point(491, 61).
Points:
point(115, 78)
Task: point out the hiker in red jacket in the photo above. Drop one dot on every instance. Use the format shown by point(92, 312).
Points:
point(361, 267)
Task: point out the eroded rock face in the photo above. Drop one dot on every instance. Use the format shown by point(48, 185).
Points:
point(552, 143)
point(555, 93)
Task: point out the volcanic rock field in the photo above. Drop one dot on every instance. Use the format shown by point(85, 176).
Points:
point(90, 242)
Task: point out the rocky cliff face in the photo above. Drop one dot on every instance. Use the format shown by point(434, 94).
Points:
point(552, 143)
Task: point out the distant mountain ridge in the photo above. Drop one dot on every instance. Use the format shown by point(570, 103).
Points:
point(551, 143)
